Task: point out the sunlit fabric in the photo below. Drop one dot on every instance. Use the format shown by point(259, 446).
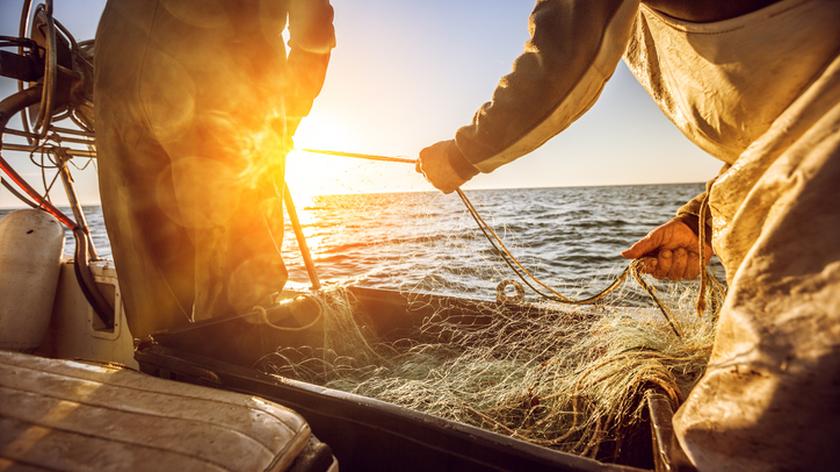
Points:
point(761, 92)
point(574, 49)
point(196, 105)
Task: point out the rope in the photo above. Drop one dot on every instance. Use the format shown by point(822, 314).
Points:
point(529, 279)
point(263, 313)
point(535, 283)
point(705, 277)
point(356, 155)
point(701, 230)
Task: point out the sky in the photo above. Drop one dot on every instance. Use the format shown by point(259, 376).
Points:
point(408, 73)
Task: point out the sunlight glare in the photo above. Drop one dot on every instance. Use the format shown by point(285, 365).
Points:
point(309, 175)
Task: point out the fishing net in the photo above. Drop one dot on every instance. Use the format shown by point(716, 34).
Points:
point(571, 379)
point(558, 375)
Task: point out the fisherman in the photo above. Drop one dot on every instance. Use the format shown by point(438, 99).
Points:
point(196, 105)
point(756, 83)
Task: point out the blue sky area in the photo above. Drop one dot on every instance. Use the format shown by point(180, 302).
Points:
point(408, 73)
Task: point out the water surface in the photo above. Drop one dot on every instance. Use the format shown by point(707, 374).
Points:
point(427, 241)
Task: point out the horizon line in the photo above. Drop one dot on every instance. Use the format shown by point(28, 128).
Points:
point(480, 189)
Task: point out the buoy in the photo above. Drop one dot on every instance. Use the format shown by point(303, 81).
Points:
point(31, 245)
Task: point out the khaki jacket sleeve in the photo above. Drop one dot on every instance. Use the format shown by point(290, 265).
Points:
point(690, 215)
point(311, 40)
point(692, 207)
point(574, 48)
point(690, 212)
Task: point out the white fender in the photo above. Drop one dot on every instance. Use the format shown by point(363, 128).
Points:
point(31, 245)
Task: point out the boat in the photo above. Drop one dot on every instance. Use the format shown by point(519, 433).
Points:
point(86, 357)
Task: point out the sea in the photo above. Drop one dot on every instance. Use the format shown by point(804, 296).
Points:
point(570, 237)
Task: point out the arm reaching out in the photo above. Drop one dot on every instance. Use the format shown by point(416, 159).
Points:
point(311, 40)
point(574, 48)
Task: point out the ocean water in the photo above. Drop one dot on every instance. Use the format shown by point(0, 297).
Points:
point(570, 237)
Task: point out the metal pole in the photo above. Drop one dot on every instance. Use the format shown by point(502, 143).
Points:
point(301, 239)
point(73, 199)
point(49, 149)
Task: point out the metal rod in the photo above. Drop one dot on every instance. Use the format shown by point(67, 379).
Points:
point(63, 130)
point(23, 32)
point(70, 139)
point(49, 149)
point(24, 134)
point(301, 239)
point(356, 155)
point(60, 132)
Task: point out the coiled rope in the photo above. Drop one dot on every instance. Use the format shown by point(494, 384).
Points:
point(527, 277)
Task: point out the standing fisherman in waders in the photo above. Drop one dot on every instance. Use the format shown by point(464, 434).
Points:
point(196, 104)
point(756, 83)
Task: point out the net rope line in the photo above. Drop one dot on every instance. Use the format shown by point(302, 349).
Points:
point(532, 281)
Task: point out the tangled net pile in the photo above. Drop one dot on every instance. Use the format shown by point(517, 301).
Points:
point(568, 378)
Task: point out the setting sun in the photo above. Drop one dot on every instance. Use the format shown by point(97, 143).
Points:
point(308, 174)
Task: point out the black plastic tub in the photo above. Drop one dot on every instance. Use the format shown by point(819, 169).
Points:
point(364, 433)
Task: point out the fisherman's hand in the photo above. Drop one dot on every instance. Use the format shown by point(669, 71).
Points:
point(670, 252)
point(444, 166)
